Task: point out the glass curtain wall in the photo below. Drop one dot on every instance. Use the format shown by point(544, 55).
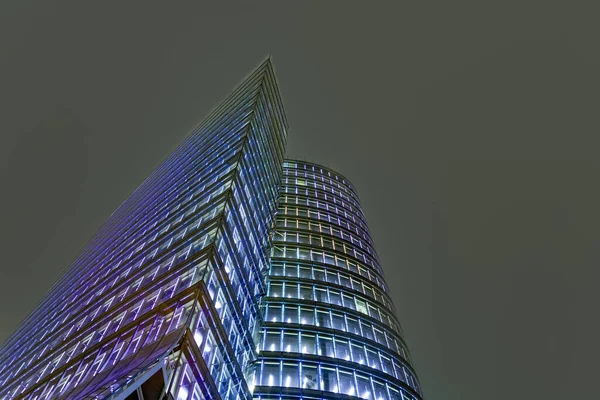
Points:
point(330, 328)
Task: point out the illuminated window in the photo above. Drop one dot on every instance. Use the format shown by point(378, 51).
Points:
point(353, 325)
point(270, 374)
point(323, 319)
point(346, 383)
point(272, 341)
point(275, 289)
point(290, 314)
point(307, 316)
point(304, 272)
point(361, 306)
point(373, 359)
point(342, 349)
point(380, 391)
point(306, 292)
point(325, 346)
point(273, 313)
point(290, 374)
point(307, 343)
point(329, 380)
point(335, 297)
point(309, 377)
point(363, 385)
point(358, 353)
point(290, 342)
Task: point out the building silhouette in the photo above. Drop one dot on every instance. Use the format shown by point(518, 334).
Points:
point(229, 273)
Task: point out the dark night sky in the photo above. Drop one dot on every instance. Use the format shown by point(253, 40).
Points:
point(470, 131)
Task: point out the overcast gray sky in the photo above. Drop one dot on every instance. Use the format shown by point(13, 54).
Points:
point(470, 131)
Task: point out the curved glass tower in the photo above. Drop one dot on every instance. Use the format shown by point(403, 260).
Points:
point(330, 329)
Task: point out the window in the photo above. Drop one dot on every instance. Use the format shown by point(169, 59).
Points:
point(291, 314)
point(361, 306)
point(345, 281)
point(353, 326)
point(275, 289)
point(332, 277)
point(319, 274)
point(367, 330)
point(342, 349)
point(335, 297)
point(306, 292)
point(291, 270)
point(329, 380)
point(386, 365)
point(325, 346)
point(323, 319)
point(363, 386)
point(309, 377)
point(374, 312)
point(304, 272)
point(395, 394)
point(338, 321)
point(321, 295)
point(307, 343)
point(270, 375)
point(274, 313)
point(272, 341)
point(307, 316)
point(373, 359)
point(304, 254)
point(358, 354)
point(277, 270)
point(380, 392)
point(349, 302)
point(290, 374)
point(290, 342)
point(346, 383)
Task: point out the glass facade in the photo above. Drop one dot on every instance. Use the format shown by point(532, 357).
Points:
point(330, 328)
point(230, 273)
point(163, 300)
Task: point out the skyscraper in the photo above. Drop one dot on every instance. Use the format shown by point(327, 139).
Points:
point(330, 328)
point(165, 295)
point(169, 298)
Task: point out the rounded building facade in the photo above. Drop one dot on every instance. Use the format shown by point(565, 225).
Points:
point(330, 329)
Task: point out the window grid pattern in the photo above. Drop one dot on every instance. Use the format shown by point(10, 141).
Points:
point(329, 323)
point(202, 216)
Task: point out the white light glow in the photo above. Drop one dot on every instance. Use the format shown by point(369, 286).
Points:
point(198, 337)
point(288, 381)
point(182, 394)
point(271, 380)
